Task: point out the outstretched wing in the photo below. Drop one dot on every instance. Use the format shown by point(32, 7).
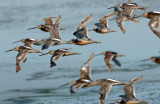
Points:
point(20, 57)
point(129, 89)
point(49, 20)
point(55, 31)
point(80, 34)
point(56, 56)
point(86, 20)
point(47, 44)
point(153, 24)
point(108, 57)
point(119, 21)
point(85, 72)
point(116, 62)
point(104, 22)
point(103, 93)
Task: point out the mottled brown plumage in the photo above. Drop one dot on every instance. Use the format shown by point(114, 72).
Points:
point(129, 97)
point(154, 17)
point(85, 77)
point(48, 22)
point(28, 42)
point(109, 55)
point(106, 85)
point(22, 55)
point(56, 54)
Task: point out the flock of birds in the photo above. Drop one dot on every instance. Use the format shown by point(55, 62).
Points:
point(124, 13)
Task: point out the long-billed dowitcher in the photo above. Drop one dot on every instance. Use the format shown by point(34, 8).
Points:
point(154, 22)
point(46, 27)
point(155, 59)
point(85, 76)
point(130, 97)
point(22, 55)
point(28, 42)
point(109, 55)
point(102, 26)
point(54, 38)
point(82, 33)
point(56, 54)
point(126, 13)
point(106, 85)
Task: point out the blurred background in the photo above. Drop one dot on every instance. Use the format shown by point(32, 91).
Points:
point(36, 83)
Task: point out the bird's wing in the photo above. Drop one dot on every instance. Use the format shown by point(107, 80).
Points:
point(18, 67)
point(85, 72)
point(20, 57)
point(107, 59)
point(80, 34)
point(129, 89)
point(116, 62)
point(49, 20)
point(85, 32)
point(56, 56)
point(135, 80)
point(111, 14)
point(156, 32)
point(129, 1)
point(55, 31)
point(100, 26)
point(119, 21)
point(103, 93)
point(153, 24)
point(104, 22)
point(85, 20)
point(47, 44)
point(58, 18)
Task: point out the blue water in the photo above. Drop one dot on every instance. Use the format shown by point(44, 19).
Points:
point(36, 83)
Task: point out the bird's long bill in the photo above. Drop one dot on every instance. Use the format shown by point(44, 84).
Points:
point(90, 30)
point(9, 50)
point(113, 31)
point(64, 85)
point(120, 55)
point(98, 54)
point(145, 60)
point(136, 102)
point(16, 42)
point(142, 8)
point(68, 42)
point(118, 83)
point(96, 42)
point(62, 28)
point(138, 16)
point(44, 54)
point(111, 7)
point(32, 28)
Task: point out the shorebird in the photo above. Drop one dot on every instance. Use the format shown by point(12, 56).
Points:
point(22, 55)
point(102, 26)
point(56, 54)
point(129, 97)
point(154, 22)
point(155, 59)
point(85, 77)
point(109, 55)
point(54, 38)
point(106, 85)
point(28, 42)
point(82, 33)
point(126, 13)
point(46, 26)
point(128, 8)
